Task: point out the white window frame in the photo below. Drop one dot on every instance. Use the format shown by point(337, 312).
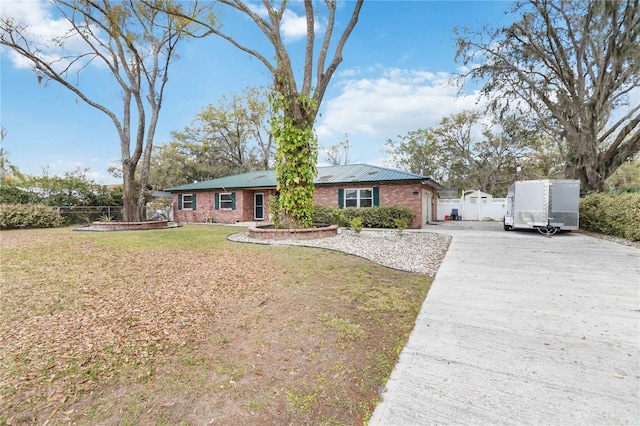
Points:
point(358, 197)
point(222, 203)
point(255, 197)
point(185, 202)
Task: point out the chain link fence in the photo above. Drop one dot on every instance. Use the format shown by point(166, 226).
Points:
point(87, 214)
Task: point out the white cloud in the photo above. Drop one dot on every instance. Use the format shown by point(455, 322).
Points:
point(38, 14)
point(294, 27)
point(394, 103)
point(60, 167)
point(52, 35)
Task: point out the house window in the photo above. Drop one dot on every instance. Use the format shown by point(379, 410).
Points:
point(358, 197)
point(187, 202)
point(226, 200)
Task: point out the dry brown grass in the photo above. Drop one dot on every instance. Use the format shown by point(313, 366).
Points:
point(182, 326)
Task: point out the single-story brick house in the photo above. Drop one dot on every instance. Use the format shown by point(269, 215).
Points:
point(245, 197)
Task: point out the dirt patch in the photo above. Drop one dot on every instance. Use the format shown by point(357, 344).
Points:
point(182, 326)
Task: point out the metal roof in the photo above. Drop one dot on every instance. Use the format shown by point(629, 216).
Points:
point(331, 175)
point(260, 179)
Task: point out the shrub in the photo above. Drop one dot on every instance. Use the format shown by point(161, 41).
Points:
point(337, 217)
point(373, 217)
point(351, 213)
point(29, 216)
point(401, 224)
point(324, 214)
point(274, 212)
point(617, 215)
point(356, 224)
point(11, 194)
point(385, 216)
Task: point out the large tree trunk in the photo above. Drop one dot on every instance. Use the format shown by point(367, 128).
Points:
point(130, 210)
point(296, 156)
point(585, 163)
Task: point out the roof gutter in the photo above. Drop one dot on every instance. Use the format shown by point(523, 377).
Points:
point(432, 183)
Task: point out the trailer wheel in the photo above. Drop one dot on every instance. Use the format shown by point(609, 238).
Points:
point(505, 226)
point(547, 230)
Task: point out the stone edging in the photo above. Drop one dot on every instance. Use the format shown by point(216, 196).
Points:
point(293, 234)
point(126, 226)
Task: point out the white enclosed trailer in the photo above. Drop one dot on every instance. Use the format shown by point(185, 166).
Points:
point(548, 205)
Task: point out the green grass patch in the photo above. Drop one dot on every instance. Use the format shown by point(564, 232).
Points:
point(190, 237)
point(345, 329)
point(301, 401)
point(175, 325)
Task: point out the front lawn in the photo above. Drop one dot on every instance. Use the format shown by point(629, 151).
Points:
point(181, 326)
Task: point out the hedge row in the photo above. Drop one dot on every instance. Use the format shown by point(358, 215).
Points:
point(29, 216)
point(610, 214)
point(374, 217)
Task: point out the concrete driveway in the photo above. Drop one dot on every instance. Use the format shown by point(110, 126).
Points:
point(519, 328)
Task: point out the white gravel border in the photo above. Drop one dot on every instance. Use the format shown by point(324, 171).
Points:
point(414, 251)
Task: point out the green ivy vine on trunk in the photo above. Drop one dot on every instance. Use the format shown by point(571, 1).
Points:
point(296, 157)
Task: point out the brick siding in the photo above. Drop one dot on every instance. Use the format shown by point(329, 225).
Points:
point(403, 194)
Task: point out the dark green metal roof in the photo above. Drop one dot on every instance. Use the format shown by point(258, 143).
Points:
point(331, 175)
point(361, 173)
point(261, 179)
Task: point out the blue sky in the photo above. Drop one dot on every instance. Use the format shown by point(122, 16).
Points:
point(394, 79)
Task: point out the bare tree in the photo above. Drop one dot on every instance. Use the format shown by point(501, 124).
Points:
point(235, 132)
point(285, 81)
point(471, 150)
point(258, 122)
point(297, 152)
point(136, 42)
point(230, 137)
point(338, 154)
point(574, 64)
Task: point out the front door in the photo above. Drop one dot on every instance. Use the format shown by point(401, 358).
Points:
point(426, 211)
point(258, 206)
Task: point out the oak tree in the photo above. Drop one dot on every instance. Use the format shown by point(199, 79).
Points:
point(230, 137)
point(136, 42)
point(473, 151)
point(573, 64)
point(297, 95)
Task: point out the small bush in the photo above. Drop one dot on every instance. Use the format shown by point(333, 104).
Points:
point(401, 224)
point(29, 216)
point(385, 216)
point(610, 214)
point(10, 194)
point(274, 212)
point(356, 224)
point(324, 214)
point(373, 217)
